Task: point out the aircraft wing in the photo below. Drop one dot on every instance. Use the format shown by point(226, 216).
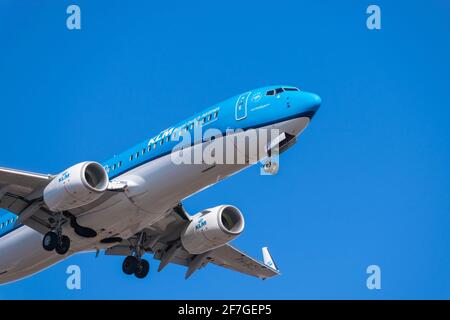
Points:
point(231, 258)
point(21, 193)
point(17, 184)
point(163, 240)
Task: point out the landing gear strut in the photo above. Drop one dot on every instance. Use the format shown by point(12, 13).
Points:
point(134, 264)
point(55, 240)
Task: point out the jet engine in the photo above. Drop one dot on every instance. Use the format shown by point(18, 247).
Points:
point(77, 186)
point(212, 228)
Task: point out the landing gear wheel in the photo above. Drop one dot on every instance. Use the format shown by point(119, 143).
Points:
point(63, 245)
point(129, 265)
point(142, 269)
point(50, 241)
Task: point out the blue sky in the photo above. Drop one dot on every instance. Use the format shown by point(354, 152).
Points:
point(367, 183)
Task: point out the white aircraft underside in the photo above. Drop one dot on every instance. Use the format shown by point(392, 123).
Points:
point(148, 207)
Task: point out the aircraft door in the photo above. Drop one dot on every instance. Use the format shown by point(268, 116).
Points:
point(241, 106)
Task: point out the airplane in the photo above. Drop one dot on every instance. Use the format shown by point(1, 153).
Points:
point(131, 204)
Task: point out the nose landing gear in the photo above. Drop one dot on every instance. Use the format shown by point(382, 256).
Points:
point(270, 167)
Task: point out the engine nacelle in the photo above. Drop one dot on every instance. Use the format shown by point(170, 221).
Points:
point(77, 186)
point(212, 228)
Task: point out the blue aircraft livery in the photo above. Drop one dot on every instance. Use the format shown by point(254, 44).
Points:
point(131, 204)
point(267, 106)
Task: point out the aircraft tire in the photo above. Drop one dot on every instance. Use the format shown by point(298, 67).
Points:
point(50, 241)
point(142, 269)
point(63, 245)
point(129, 265)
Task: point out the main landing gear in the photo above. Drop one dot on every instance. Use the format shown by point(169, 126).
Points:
point(134, 264)
point(55, 240)
point(137, 266)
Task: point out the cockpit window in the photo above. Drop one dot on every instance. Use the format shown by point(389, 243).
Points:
point(273, 92)
point(291, 89)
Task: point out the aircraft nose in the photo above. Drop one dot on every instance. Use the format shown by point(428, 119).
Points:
point(314, 101)
point(309, 103)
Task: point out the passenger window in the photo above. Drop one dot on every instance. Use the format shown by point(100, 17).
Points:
point(149, 148)
point(137, 154)
point(143, 151)
point(216, 114)
point(192, 125)
point(131, 158)
point(120, 164)
point(209, 117)
point(154, 146)
point(162, 141)
point(168, 138)
point(114, 167)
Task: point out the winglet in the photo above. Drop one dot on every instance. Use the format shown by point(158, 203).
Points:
point(268, 261)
